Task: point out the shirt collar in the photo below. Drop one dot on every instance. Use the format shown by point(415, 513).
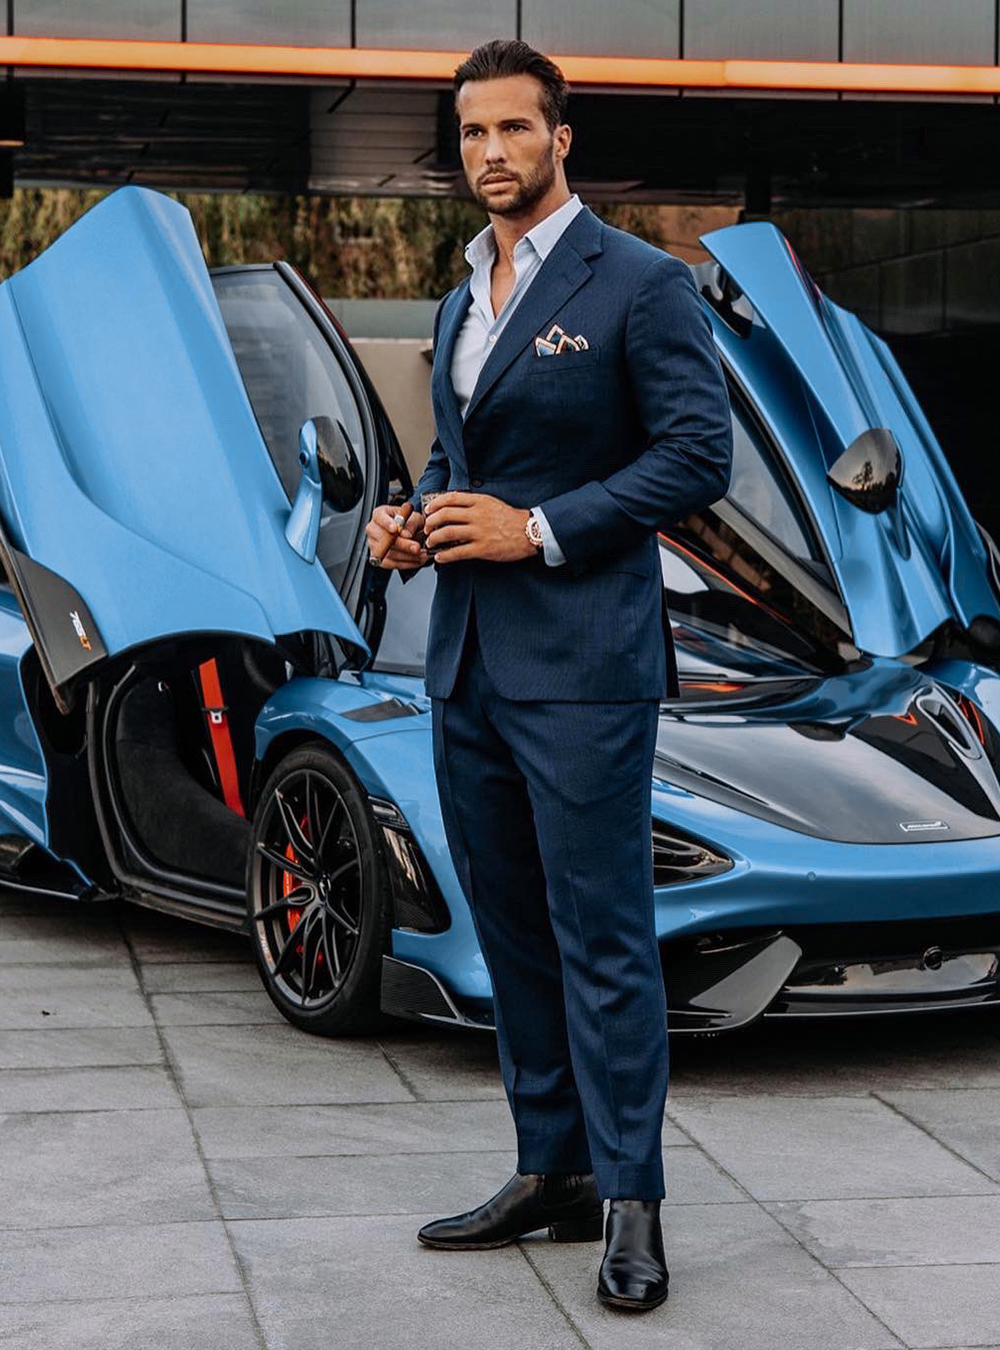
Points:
point(542, 237)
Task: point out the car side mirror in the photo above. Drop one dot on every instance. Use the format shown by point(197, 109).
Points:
point(869, 471)
point(330, 473)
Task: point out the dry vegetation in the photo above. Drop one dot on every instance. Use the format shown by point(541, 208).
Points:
point(403, 248)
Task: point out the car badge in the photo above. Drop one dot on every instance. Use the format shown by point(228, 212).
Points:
point(915, 826)
point(80, 631)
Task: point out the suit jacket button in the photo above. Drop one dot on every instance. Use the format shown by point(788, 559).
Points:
point(475, 482)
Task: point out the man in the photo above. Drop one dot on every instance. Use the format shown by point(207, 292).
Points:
point(579, 405)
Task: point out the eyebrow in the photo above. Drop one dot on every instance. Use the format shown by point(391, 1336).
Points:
point(523, 117)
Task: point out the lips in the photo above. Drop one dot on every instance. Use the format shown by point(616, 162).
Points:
point(486, 181)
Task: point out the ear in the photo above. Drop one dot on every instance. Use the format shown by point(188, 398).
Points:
point(563, 136)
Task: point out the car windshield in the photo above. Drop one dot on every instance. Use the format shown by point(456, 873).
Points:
point(733, 622)
point(290, 374)
point(728, 627)
point(749, 592)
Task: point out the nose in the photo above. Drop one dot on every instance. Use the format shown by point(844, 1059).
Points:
point(494, 154)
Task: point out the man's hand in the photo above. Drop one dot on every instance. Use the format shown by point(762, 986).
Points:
point(396, 545)
point(476, 525)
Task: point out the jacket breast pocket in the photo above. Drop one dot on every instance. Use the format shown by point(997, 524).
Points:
point(556, 367)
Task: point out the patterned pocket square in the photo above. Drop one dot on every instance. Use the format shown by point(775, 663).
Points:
point(557, 341)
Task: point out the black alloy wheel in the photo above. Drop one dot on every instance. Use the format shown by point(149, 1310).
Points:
point(317, 895)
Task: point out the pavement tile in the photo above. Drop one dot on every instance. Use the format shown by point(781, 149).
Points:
point(965, 1121)
point(79, 1047)
point(136, 1261)
point(187, 977)
point(737, 1282)
point(930, 1231)
point(374, 1127)
point(21, 902)
point(97, 920)
point(138, 1087)
point(101, 1167)
point(818, 1148)
point(838, 1059)
point(50, 997)
point(363, 1282)
point(247, 1008)
point(446, 1067)
point(222, 1321)
point(156, 937)
point(235, 1066)
point(933, 1305)
point(79, 938)
point(396, 1127)
point(425, 1185)
point(691, 1178)
point(77, 951)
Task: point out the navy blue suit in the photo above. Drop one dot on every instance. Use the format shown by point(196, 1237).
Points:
point(545, 681)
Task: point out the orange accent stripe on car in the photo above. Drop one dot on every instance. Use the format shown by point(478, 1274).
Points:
point(716, 686)
point(727, 581)
point(907, 717)
point(236, 58)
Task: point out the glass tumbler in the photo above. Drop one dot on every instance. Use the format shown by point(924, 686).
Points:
point(425, 497)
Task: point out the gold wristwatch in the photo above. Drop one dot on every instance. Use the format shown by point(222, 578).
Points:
point(533, 530)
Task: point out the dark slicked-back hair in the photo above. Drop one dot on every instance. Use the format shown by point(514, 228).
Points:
point(510, 56)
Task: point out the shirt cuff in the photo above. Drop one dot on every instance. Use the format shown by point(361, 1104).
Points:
point(553, 553)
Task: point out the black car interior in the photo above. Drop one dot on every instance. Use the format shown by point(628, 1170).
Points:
point(168, 776)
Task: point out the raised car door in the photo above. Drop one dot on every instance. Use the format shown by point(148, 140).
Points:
point(897, 533)
point(297, 362)
point(138, 500)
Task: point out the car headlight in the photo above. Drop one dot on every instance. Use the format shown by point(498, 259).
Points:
point(679, 857)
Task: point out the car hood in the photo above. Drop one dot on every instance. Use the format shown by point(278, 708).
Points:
point(878, 755)
point(821, 378)
point(137, 496)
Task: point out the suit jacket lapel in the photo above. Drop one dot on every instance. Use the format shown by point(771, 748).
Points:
point(561, 274)
point(443, 390)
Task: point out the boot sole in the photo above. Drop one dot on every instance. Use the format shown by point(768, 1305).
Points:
point(631, 1304)
point(586, 1230)
point(465, 1246)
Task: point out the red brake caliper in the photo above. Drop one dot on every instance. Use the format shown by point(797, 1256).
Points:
point(288, 883)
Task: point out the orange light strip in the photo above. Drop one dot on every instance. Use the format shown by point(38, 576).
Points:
point(229, 58)
point(716, 686)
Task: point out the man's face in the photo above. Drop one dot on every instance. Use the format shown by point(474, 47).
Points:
point(509, 155)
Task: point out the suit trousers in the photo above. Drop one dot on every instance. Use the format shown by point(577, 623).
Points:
point(546, 807)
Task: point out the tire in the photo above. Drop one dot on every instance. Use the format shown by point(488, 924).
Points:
point(318, 925)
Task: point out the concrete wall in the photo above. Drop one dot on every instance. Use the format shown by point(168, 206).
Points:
point(401, 373)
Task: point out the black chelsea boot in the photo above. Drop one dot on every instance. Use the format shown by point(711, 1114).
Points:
point(567, 1204)
point(634, 1271)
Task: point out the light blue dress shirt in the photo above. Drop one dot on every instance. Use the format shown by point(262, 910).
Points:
point(481, 329)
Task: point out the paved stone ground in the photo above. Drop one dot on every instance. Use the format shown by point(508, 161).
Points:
point(179, 1168)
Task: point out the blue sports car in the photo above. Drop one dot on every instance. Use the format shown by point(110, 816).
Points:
point(212, 705)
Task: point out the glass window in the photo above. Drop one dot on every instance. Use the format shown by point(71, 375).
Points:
point(760, 489)
point(734, 614)
point(726, 624)
point(291, 374)
point(402, 647)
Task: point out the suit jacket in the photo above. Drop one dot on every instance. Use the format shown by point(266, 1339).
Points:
point(613, 442)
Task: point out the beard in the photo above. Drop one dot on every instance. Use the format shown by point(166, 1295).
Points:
point(526, 190)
